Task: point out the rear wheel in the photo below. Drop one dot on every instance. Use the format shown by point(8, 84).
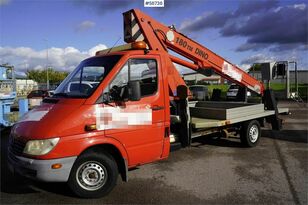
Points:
point(93, 175)
point(250, 133)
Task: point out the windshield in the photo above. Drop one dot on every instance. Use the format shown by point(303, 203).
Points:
point(83, 81)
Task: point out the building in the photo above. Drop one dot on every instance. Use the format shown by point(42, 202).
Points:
point(25, 86)
point(197, 77)
point(302, 76)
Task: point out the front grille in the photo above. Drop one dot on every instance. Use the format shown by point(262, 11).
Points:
point(12, 157)
point(17, 146)
point(20, 167)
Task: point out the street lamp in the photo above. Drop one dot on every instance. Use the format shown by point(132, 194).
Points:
point(47, 62)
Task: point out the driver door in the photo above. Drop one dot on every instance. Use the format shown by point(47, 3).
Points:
point(138, 125)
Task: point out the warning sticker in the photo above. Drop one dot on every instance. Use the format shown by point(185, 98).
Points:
point(231, 71)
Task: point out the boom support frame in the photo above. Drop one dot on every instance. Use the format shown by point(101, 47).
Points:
point(141, 27)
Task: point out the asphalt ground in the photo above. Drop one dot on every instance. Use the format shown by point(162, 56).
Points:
point(211, 171)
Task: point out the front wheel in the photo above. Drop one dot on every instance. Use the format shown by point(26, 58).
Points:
point(93, 175)
point(250, 133)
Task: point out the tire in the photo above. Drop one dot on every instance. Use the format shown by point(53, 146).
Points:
point(250, 133)
point(93, 175)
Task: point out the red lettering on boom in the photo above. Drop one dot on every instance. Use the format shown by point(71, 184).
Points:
point(201, 53)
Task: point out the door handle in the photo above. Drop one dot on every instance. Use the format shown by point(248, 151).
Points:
point(157, 107)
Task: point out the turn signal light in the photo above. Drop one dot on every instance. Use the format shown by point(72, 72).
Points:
point(56, 166)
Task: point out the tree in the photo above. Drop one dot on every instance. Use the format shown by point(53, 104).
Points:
point(40, 76)
point(255, 67)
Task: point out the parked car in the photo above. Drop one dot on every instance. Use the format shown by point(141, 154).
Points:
point(36, 96)
point(199, 92)
point(237, 93)
point(84, 87)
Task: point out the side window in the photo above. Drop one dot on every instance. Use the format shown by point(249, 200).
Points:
point(144, 70)
point(119, 84)
point(121, 79)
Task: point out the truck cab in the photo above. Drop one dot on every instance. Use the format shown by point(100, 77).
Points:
point(87, 136)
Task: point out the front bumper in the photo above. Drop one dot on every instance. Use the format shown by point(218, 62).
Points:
point(41, 169)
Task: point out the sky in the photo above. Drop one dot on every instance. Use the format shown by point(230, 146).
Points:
point(243, 32)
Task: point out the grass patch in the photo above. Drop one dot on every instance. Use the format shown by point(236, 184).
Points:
point(278, 86)
point(223, 88)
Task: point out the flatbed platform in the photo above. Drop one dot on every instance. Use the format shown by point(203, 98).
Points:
point(216, 114)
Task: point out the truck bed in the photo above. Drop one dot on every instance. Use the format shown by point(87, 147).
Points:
point(206, 115)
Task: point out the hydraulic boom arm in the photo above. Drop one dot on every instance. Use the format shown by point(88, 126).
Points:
point(141, 27)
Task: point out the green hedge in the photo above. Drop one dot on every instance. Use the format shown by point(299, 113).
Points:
point(302, 88)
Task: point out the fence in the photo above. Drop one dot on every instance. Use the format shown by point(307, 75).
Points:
point(24, 87)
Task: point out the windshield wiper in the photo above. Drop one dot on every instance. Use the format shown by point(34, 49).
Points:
point(70, 95)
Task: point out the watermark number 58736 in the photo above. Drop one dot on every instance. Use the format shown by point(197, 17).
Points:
point(154, 3)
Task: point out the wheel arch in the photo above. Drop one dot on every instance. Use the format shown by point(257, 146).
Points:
point(119, 155)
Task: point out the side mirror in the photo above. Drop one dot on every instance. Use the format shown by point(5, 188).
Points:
point(134, 90)
point(182, 92)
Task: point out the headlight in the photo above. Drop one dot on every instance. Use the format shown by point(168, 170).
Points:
point(40, 147)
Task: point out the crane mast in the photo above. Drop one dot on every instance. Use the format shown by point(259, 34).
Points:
point(141, 27)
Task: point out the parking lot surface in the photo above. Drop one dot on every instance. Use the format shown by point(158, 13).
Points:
point(211, 171)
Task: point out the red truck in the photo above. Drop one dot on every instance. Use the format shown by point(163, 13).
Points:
point(127, 106)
